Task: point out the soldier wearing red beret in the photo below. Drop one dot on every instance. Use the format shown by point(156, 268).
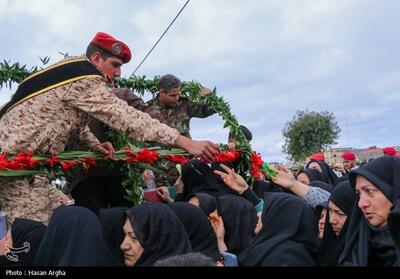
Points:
point(349, 161)
point(318, 157)
point(55, 105)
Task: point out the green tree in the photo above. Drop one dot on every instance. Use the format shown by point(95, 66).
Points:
point(308, 133)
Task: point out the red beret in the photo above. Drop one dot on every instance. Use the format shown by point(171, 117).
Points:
point(349, 156)
point(389, 151)
point(113, 46)
point(318, 157)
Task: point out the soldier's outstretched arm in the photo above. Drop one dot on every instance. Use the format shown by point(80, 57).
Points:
point(200, 148)
point(92, 97)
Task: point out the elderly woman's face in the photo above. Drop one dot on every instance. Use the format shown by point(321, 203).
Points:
point(130, 246)
point(373, 203)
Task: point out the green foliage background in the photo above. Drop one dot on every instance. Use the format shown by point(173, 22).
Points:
point(309, 132)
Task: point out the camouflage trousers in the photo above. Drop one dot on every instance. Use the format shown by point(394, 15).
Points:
point(29, 198)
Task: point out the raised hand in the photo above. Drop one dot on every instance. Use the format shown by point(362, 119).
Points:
point(232, 179)
point(284, 177)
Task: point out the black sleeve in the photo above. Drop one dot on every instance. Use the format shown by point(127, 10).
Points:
point(250, 196)
point(179, 197)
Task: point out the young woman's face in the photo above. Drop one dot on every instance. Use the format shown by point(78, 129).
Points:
point(321, 223)
point(315, 165)
point(130, 246)
point(373, 203)
point(303, 178)
point(336, 217)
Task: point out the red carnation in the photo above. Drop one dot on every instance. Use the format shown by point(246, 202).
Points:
point(227, 156)
point(3, 161)
point(53, 161)
point(20, 161)
point(144, 156)
point(256, 163)
point(89, 162)
point(179, 159)
point(66, 165)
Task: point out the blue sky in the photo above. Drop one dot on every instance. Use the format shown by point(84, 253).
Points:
point(266, 58)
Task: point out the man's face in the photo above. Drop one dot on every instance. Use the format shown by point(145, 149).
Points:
point(348, 164)
point(110, 66)
point(170, 98)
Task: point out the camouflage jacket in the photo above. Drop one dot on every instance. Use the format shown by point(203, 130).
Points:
point(46, 123)
point(180, 115)
point(100, 131)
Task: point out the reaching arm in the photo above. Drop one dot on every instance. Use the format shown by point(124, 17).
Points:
point(91, 96)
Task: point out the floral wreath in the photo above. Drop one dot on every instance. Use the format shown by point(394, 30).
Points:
point(137, 159)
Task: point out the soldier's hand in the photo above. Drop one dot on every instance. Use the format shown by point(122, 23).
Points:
point(204, 149)
point(106, 148)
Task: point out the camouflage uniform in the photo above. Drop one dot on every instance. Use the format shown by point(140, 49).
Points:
point(101, 186)
point(45, 123)
point(178, 117)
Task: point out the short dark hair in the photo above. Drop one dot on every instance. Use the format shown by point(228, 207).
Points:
point(93, 48)
point(168, 82)
point(190, 259)
point(247, 134)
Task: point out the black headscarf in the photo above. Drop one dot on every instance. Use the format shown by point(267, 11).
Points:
point(159, 231)
point(261, 187)
point(240, 219)
point(312, 174)
point(394, 227)
point(288, 236)
point(112, 221)
point(208, 203)
point(74, 237)
point(198, 227)
point(324, 186)
point(25, 233)
point(331, 247)
point(361, 237)
point(198, 177)
point(327, 172)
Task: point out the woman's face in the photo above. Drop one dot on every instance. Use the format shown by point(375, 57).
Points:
point(130, 246)
point(336, 217)
point(321, 223)
point(303, 178)
point(315, 165)
point(373, 203)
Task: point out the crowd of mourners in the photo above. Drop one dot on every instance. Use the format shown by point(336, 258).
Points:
point(314, 216)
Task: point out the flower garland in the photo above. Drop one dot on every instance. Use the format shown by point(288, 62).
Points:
point(136, 159)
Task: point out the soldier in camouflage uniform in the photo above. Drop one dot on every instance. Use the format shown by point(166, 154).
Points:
point(101, 186)
point(177, 112)
point(42, 119)
point(175, 109)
